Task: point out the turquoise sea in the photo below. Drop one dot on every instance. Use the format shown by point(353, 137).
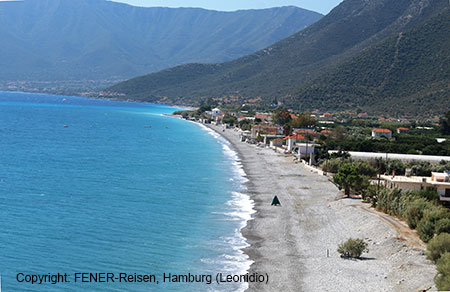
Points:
point(93, 186)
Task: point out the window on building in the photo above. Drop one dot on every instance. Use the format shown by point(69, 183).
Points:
point(447, 192)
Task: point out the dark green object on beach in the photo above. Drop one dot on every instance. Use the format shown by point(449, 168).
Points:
point(276, 202)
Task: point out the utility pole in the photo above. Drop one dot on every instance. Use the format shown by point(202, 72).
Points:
point(379, 171)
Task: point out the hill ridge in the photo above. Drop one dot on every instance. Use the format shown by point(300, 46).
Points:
point(280, 71)
point(65, 39)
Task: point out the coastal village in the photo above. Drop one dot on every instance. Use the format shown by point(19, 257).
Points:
point(305, 142)
point(308, 142)
point(396, 166)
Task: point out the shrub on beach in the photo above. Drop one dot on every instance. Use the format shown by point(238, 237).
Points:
point(428, 194)
point(443, 225)
point(438, 246)
point(442, 279)
point(389, 201)
point(370, 195)
point(353, 248)
point(427, 225)
point(414, 212)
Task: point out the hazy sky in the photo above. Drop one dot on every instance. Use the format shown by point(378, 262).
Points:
point(322, 6)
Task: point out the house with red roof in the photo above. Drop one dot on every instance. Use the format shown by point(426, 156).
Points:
point(265, 118)
point(240, 118)
point(292, 140)
point(294, 117)
point(382, 133)
point(402, 130)
point(363, 115)
point(327, 115)
point(265, 130)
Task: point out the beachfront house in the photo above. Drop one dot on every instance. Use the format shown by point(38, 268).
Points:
point(276, 143)
point(258, 130)
point(307, 151)
point(306, 148)
point(292, 140)
point(438, 181)
point(217, 115)
point(382, 133)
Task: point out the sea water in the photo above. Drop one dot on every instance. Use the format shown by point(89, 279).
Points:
point(94, 186)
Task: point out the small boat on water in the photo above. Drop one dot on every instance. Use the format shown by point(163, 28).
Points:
point(66, 126)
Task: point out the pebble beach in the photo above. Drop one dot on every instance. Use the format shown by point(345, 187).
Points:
point(295, 244)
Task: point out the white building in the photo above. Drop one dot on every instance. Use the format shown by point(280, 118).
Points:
point(292, 140)
point(382, 133)
point(438, 181)
point(306, 148)
point(394, 156)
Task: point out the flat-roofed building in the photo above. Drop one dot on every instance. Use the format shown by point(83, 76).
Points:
point(438, 181)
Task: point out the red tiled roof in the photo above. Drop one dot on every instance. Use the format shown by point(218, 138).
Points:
point(268, 129)
point(305, 131)
point(381, 131)
point(294, 117)
point(403, 129)
point(295, 136)
point(325, 132)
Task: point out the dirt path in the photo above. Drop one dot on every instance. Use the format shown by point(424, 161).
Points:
point(405, 233)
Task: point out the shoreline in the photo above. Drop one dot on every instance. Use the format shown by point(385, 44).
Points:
point(174, 106)
point(295, 244)
point(240, 198)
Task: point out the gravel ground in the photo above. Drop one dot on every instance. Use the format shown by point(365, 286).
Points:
point(295, 244)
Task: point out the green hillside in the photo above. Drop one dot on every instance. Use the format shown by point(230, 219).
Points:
point(99, 39)
point(406, 74)
point(282, 70)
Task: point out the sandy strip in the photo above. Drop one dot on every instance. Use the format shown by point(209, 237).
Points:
point(290, 242)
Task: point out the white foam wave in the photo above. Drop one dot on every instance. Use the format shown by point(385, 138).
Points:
point(240, 208)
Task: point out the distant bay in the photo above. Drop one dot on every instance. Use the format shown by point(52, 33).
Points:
point(103, 186)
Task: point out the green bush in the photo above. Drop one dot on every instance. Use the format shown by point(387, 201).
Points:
point(353, 248)
point(442, 279)
point(366, 169)
point(437, 246)
point(443, 225)
point(426, 226)
point(429, 194)
point(395, 165)
point(333, 165)
point(353, 177)
point(414, 212)
point(390, 201)
point(370, 195)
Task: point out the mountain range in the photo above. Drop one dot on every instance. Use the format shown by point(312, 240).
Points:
point(376, 56)
point(97, 39)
